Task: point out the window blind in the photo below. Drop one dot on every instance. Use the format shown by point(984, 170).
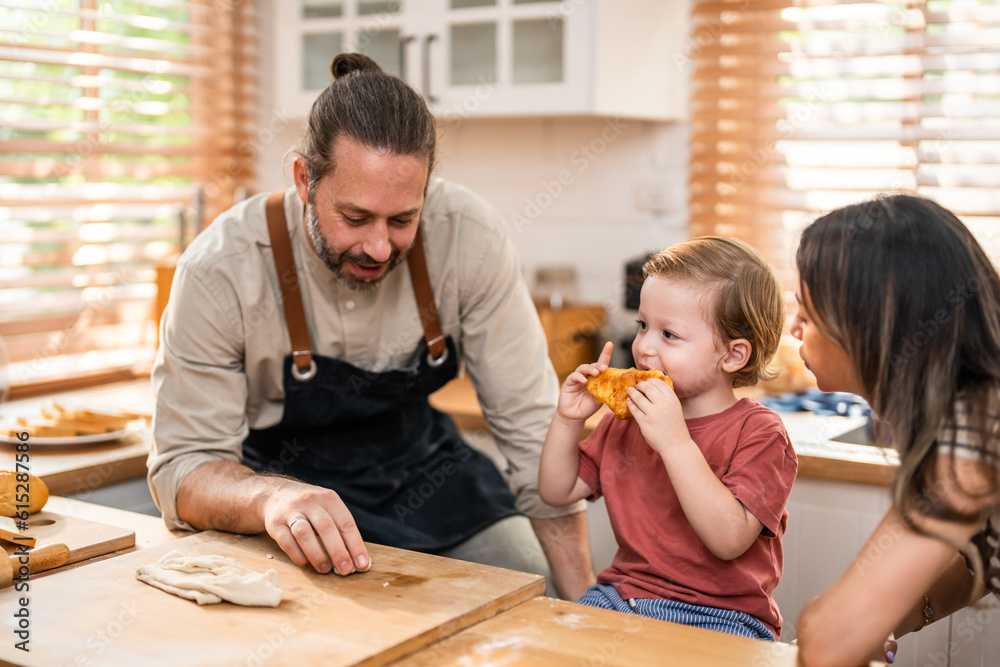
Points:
point(801, 107)
point(123, 126)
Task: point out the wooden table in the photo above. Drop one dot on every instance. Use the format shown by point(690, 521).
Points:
point(549, 633)
point(100, 614)
point(73, 469)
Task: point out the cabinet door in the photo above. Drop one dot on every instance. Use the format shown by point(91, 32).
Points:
point(310, 33)
point(505, 57)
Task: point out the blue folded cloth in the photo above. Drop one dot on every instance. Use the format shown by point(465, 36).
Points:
point(821, 403)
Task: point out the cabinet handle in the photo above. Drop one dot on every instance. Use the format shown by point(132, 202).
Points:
point(403, 43)
point(428, 40)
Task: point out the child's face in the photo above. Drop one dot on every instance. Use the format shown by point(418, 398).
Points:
point(677, 336)
point(826, 359)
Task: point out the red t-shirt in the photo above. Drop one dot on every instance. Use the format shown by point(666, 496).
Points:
point(659, 554)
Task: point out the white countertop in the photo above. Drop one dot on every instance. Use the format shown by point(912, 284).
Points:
point(815, 435)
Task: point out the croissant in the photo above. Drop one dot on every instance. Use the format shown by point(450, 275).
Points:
point(610, 387)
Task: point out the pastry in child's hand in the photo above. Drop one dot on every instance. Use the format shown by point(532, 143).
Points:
point(610, 387)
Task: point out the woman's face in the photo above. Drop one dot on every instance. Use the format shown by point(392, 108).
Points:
point(825, 358)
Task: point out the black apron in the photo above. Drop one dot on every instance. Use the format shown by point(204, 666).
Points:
point(398, 464)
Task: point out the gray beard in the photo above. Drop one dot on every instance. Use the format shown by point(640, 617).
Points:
point(336, 262)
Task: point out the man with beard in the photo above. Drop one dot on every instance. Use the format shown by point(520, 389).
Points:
point(297, 355)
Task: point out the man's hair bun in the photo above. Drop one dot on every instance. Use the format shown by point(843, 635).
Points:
point(345, 63)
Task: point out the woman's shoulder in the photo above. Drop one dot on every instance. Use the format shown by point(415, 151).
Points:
point(973, 431)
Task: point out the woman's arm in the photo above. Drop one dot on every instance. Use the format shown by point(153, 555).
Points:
point(954, 590)
point(882, 592)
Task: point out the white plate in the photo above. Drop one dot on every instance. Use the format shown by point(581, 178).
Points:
point(71, 439)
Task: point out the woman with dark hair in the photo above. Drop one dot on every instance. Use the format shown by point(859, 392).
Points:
point(899, 303)
point(297, 357)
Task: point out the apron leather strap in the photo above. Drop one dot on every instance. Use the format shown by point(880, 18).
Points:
point(429, 319)
point(303, 366)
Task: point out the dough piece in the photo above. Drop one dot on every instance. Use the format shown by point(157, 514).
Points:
point(610, 387)
point(211, 579)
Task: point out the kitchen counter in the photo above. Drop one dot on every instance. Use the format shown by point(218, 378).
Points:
point(69, 469)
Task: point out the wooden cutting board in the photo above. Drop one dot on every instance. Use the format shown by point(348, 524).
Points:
point(101, 614)
point(85, 539)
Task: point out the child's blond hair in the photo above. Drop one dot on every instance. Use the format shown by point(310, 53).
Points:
point(748, 301)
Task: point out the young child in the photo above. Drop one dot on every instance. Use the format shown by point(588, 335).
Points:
point(696, 482)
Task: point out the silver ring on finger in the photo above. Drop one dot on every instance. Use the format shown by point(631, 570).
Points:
point(296, 520)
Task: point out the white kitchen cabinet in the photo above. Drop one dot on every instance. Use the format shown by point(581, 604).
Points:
point(495, 57)
point(828, 523)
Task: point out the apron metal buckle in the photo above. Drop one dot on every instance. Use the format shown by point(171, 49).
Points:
point(303, 375)
point(431, 361)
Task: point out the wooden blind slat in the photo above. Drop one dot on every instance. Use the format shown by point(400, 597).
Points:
point(49, 168)
point(798, 107)
point(117, 121)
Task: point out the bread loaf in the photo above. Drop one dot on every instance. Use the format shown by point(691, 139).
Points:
point(35, 489)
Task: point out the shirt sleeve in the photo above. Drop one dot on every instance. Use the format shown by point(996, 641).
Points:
point(507, 359)
point(762, 472)
point(200, 388)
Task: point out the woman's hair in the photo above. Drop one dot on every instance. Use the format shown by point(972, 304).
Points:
point(903, 287)
point(376, 109)
point(747, 298)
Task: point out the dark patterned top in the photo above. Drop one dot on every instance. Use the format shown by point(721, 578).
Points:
point(957, 438)
point(988, 545)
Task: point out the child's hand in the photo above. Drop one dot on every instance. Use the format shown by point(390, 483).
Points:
point(575, 402)
point(657, 410)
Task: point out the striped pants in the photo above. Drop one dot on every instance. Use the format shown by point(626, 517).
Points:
point(721, 620)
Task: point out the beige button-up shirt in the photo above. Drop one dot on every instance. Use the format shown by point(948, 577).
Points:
point(218, 371)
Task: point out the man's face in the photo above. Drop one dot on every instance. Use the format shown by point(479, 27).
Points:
point(363, 217)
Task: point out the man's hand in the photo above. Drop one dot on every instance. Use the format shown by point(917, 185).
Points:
point(226, 495)
point(313, 526)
